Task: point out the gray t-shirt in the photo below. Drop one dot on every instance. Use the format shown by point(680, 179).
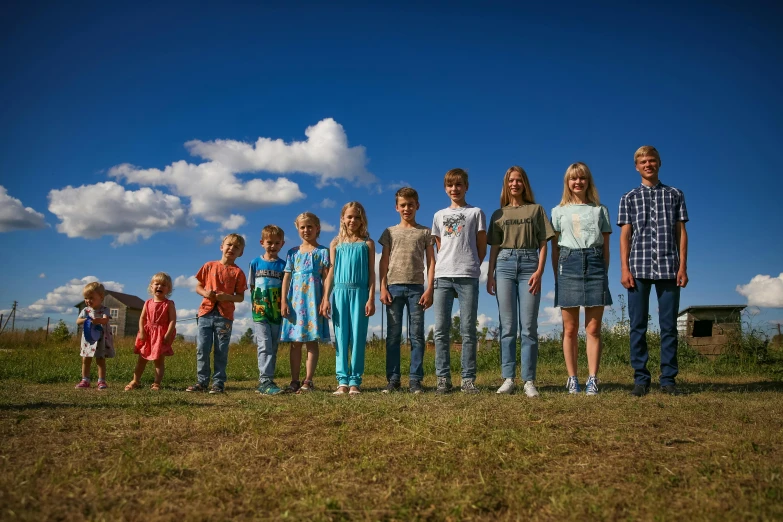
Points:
point(457, 229)
point(407, 247)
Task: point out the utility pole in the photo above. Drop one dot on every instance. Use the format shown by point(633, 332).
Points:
point(12, 314)
point(13, 317)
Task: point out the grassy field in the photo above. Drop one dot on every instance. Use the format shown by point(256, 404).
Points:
point(715, 453)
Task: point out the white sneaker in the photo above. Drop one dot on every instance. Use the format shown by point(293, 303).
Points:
point(508, 386)
point(530, 389)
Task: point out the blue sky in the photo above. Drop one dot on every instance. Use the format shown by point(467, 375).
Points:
point(130, 135)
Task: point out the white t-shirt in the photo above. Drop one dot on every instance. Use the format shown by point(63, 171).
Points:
point(457, 229)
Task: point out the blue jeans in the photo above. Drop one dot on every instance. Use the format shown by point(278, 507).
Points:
point(466, 290)
point(638, 312)
point(402, 296)
point(517, 308)
point(215, 329)
point(267, 337)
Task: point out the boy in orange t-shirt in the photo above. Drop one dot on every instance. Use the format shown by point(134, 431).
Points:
point(221, 284)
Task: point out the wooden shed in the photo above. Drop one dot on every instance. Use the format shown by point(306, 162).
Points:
point(708, 329)
point(125, 310)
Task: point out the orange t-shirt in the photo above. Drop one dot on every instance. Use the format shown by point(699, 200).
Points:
point(229, 279)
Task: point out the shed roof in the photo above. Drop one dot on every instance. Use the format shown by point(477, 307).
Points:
point(713, 308)
point(131, 301)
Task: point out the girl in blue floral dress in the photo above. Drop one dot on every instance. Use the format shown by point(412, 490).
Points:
point(305, 268)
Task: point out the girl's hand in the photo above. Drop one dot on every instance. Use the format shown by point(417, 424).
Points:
point(283, 308)
point(426, 298)
point(491, 285)
point(386, 297)
point(326, 309)
point(369, 308)
point(142, 335)
point(534, 283)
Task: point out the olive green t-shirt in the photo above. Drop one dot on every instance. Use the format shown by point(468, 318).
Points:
point(519, 227)
point(407, 247)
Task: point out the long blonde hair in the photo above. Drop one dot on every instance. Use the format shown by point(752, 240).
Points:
point(527, 192)
point(362, 232)
point(576, 170)
point(312, 218)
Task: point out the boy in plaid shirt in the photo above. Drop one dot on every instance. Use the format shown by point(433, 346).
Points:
point(653, 252)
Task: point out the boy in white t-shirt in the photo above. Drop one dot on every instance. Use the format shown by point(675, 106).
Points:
point(461, 238)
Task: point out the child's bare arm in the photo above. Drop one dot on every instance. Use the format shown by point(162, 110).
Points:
point(493, 259)
point(203, 292)
point(80, 320)
point(326, 307)
point(682, 240)
point(605, 250)
point(142, 322)
point(625, 251)
point(369, 308)
point(556, 252)
point(481, 245)
point(236, 298)
point(169, 337)
point(426, 297)
point(534, 283)
point(383, 268)
point(284, 294)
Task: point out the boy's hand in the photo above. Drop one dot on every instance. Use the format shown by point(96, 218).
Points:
point(682, 278)
point(369, 308)
point(212, 296)
point(491, 285)
point(284, 308)
point(220, 296)
point(534, 283)
point(627, 279)
point(426, 298)
point(386, 297)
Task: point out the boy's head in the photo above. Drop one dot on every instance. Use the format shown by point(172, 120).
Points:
point(456, 184)
point(647, 161)
point(272, 239)
point(93, 294)
point(232, 246)
point(308, 224)
point(406, 201)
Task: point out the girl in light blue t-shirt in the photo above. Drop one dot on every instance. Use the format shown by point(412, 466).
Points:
point(580, 259)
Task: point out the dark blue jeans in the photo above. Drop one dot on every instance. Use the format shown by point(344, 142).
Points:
point(638, 311)
point(402, 296)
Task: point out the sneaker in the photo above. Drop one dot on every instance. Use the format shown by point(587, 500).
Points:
point(640, 390)
point(469, 386)
point(670, 389)
point(591, 386)
point(572, 385)
point(530, 389)
point(102, 385)
point(393, 386)
point(268, 388)
point(415, 387)
point(198, 387)
point(508, 387)
point(84, 383)
point(293, 387)
point(444, 386)
point(216, 388)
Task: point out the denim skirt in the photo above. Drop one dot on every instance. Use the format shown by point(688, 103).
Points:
point(582, 278)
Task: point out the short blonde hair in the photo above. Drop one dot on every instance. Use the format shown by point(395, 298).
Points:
point(454, 175)
point(163, 277)
point(94, 287)
point(362, 232)
point(236, 237)
point(646, 150)
point(527, 191)
point(272, 230)
point(574, 171)
point(309, 216)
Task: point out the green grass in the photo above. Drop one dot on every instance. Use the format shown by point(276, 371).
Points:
point(65, 454)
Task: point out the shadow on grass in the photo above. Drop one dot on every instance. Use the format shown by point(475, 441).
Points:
point(685, 389)
point(45, 405)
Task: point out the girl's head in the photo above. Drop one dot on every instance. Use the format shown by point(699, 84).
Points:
point(160, 286)
point(93, 294)
point(578, 185)
point(353, 221)
point(308, 225)
point(516, 186)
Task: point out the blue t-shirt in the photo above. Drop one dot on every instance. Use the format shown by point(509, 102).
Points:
point(266, 283)
point(581, 225)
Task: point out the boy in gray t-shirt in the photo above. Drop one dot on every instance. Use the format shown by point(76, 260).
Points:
point(405, 247)
point(461, 237)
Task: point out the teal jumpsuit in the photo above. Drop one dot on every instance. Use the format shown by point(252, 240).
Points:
point(351, 291)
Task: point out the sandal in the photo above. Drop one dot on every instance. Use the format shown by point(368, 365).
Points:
point(132, 385)
point(341, 390)
point(354, 390)
point(307, 386)
point(293, 387)
point(155, 386)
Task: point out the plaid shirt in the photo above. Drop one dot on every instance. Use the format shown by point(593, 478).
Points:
point(653, 213)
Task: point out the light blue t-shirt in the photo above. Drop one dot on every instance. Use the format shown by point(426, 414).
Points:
point(581, 226)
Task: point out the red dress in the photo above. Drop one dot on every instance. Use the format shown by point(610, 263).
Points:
point(157, 315)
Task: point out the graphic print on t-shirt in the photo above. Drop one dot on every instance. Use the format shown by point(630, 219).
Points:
point(453, 225)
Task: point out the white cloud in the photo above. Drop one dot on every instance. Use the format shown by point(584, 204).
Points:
point(550, 315)
point(233, 222)
point(550, 296)
point(189, 282)
point(207, 240)
point(327, 227)
point(63, 299)
point(485, 320)
point(41, 276)
point(484, 269)
point(92, 211)
point(15, 216)
point(764, 291)
point(327, 203)
point(325, 154)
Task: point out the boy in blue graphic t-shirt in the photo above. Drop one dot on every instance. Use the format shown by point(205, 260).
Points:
point(266, 281)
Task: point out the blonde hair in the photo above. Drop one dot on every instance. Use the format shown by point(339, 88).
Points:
point(362, 232)
point(94, 287)
point(646, 150)
point(576, 170)
point(272, 230)
point(236, 237)
point(527, 191)
point(454, 175)
point(309, 216)
point(163, 277)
